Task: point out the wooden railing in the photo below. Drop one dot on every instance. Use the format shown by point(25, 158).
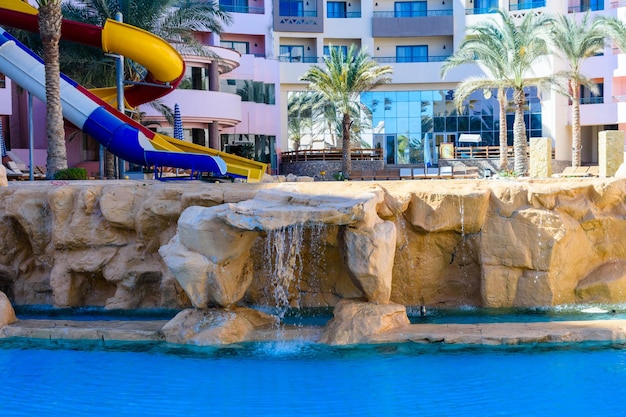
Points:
point(376, 154)
point(480, 152)
point(358, 154)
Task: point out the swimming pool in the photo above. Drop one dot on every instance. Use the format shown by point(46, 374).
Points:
point(46, 378)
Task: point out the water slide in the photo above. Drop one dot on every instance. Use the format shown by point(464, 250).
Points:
point(88, 110)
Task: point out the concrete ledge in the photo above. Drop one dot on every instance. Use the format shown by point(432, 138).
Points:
point(490, 334)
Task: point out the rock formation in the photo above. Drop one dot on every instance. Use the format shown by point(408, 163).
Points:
point(489, 243)
point(7, 314)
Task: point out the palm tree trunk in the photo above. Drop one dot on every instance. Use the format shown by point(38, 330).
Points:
point(519, 134)
point(346, 161)
point(576, 142)
point(109, 164)
point(504, 146)
point(50, 18)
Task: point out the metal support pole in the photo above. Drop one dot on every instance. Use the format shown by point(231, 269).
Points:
point(31, 138)
point(119, 72)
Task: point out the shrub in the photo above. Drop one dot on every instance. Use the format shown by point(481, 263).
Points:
point(71, 174)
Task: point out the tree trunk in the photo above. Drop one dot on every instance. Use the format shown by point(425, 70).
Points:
point(576, 142)
point(109, 165)
point(50, 18)
point(346, 161)
point(504, 145)
point(520, 143)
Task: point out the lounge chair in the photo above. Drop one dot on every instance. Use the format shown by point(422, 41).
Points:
point(445, 172)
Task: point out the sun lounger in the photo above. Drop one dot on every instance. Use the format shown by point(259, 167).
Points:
point(445, 172)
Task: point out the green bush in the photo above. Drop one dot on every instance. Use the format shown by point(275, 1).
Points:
point(71, 174)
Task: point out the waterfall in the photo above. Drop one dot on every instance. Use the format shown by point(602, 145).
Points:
point(283, 252)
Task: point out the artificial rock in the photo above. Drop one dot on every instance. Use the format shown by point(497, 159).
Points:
point(488, 243)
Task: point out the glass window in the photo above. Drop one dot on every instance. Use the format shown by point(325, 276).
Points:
point(485, 6)
point(291, 8)
point(343, 48)
point(409, 8)
point(412, 53)
point(241, 47)
point(336, 9)
point(196, 78)
point(3, 81)
point(236, 6)
point(291, 53)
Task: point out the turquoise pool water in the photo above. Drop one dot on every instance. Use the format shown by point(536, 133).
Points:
point(294, 379)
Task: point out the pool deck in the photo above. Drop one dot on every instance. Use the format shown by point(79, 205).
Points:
point(488, 334)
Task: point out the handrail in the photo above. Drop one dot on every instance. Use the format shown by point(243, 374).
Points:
point(357, 154)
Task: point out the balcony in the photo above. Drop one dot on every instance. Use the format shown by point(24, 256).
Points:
point(242, 9)
point(301, 59)
point(343, 15)
point(298, 16)
point(591, 100)
point(403, 60)
point(582, 8)
point(527, 5)
point(481, 10)
point(396, 24)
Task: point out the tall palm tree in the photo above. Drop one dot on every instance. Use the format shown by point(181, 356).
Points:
point(507, 52)
point(50, 18)
point(341, 81)
point(574, 42)
point(299, 108)
point(481, 46)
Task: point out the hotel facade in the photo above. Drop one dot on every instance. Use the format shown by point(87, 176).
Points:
point(240, 101)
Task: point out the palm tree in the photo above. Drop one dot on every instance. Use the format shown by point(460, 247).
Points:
point(574, 42)
point(50, 18)
point(507, 52)
point(299, 107)
point(342, 81)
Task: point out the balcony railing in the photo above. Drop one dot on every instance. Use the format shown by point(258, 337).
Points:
point(583, 8)
point(301, 59)
point(403, 60)
point(310, 155)
point(591, 100)
point(616, 4)
point(242, 9)
point(400, 14)
point(305, 13)
point(527, 6)
point(481, 10)
point(343, 15)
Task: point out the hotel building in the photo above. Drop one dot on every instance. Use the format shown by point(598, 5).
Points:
point(239, 102)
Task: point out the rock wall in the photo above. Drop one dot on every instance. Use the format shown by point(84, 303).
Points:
point(492, 243)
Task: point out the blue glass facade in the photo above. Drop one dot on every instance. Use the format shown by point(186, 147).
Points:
point(410, 125)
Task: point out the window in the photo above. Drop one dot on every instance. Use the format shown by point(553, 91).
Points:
point(343, 48)
point(587, 97)
point(196, 78)
point(409, 8)
point(291, 8)
point(412, 53)
point(3, 81)
point(236, 6)
point(241, 47)
point(591, 5)
point(336, 10)
point(485, 6)
point(291, 53)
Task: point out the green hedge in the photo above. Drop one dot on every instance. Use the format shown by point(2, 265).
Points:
point(71, 174)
